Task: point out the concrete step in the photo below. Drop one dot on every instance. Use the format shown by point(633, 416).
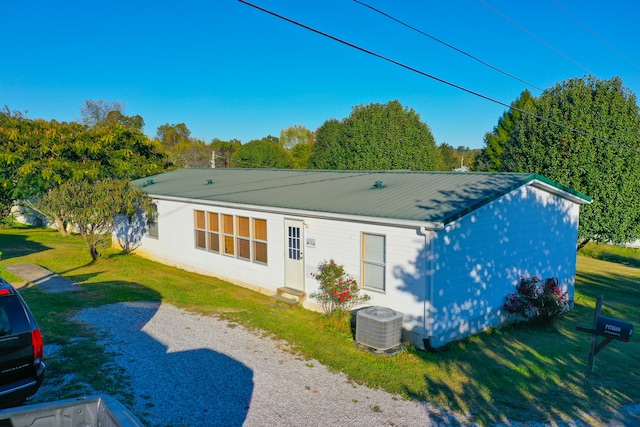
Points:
point(289, 297)
point(279, 299)
point(292, 294)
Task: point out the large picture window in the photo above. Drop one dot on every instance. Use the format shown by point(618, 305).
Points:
point(237, 236)
point(373, 261)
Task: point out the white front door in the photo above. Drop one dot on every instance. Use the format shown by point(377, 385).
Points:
point(293, 260)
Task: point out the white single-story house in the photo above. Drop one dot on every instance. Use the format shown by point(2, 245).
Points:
point(442, 248)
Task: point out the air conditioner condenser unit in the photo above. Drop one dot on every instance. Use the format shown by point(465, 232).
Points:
point(379, 327)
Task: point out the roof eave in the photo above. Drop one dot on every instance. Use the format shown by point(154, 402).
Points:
point(396, 222)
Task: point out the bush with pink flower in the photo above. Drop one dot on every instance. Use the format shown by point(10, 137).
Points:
point(338, 292)
point(536, 299)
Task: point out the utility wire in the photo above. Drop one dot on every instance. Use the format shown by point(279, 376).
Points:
point(449, 45)
point(567, 57)
point(596, 35)
point(415, 70)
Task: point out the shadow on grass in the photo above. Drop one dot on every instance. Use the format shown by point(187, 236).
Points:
point(17, 245)
point(527, 373)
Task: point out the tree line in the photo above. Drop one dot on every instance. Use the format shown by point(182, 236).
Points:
point(583, 133)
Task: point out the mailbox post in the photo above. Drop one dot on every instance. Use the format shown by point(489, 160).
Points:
point(610, 329)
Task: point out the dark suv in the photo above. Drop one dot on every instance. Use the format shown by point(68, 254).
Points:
point(21, 349)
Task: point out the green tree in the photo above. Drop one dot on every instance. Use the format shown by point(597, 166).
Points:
point(223, 151)
point(95, 112)
point(300, 155)
point(172, 135)
point(449, 159)
point(95, 208)
point(596, 151)
point(376, 137)
point(294, 135)
point(490, 158)
point(261, 153)
point(183, 150)
point(38, 155)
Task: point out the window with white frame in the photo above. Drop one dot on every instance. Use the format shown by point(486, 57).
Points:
point(152, 221)
point(373, 261)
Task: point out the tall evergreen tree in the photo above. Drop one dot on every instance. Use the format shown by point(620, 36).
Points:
point(376, 137)
point(596, 151)
point(490, 159)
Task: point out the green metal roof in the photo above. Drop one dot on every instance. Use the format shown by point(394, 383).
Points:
point(436, 197)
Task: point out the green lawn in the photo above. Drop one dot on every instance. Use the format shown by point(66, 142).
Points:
point(519, 372)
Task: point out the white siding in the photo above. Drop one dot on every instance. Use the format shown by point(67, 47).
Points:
point(448, 283)
point(405, 279)
point(175, 245)
point(479, 259)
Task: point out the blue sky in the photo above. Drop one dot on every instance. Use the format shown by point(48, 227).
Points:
point(227, 70)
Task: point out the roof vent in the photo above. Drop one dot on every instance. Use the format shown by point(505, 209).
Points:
point(149, 182)
point(379, 327)
point(209, 181)
point(378, 184)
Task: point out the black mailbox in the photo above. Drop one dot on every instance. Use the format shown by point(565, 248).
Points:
point(613, 328)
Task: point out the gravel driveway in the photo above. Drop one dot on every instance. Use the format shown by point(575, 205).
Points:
point(193, 370)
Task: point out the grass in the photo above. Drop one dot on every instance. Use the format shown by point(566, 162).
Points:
point(520, 373)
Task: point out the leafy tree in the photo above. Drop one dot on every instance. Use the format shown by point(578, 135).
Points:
point(376, 137)
point(38, 155)
point(223, 151)
point(300, 155)
point(449, 160)
point(327, 153)
point(183, 150)
point(95, 112)
point(261, 153)
point(491, 156)
point(596, 151)
point(95, 208)
point(294, 135)
point(172, 135)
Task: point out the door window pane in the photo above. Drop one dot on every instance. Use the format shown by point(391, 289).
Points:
point(294, 243)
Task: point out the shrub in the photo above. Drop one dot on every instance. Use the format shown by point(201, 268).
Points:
point(338, 292)
point(538, 300)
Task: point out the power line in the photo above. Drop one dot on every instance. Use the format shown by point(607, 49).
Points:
point(596, 35)
point(449, 46)
point(567, 57)
point(415, 70)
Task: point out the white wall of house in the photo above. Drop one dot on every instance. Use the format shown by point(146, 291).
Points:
point(448, 283)
point(479, 258)
point(323, 239)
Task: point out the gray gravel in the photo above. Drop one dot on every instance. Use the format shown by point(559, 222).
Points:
point(193, 370)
